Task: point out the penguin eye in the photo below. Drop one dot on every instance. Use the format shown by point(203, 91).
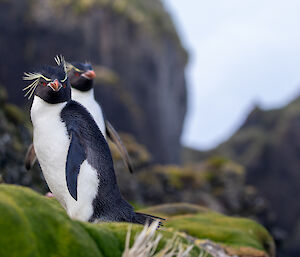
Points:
point(77, 74)
point(64, 85)
point(43, 83)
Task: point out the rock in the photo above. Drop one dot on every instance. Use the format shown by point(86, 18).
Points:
point(132, 44)
point(34, 225)
point(15, 136)
point(268, 144)
point(217, 183)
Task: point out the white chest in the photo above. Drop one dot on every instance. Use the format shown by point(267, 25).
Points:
point(87, 99)
point(51, 143)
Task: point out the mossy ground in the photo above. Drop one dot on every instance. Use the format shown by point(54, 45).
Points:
point(201, 223)
point(33, 225)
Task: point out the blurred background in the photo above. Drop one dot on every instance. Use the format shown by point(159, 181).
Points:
point(205, 96)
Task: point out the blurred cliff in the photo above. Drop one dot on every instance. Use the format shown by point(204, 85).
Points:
point(139, 62)
point(135, 51)
point(268, 145)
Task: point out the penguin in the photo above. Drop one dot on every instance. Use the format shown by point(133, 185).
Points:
point(74, 155)
point(81, 76)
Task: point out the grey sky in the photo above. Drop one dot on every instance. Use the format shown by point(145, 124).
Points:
point(242, 53)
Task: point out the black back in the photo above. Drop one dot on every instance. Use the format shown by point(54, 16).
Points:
point(108, 204)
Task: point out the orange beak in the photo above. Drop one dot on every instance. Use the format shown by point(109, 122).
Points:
point(55, 85)
point(90, 74)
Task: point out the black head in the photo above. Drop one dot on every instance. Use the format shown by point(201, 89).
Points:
point(50, 83)
point(81, 75)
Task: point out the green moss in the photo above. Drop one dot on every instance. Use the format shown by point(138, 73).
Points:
point(34, 225)
point(175, 209)
point(137, 152)
point(217, 162)
point(201, 223)
point(229, 231)
point(13, 113)
point(3, 95)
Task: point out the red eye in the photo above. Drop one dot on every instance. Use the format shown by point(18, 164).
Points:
point(77, 74)
point(64, 86)
point(43, 83)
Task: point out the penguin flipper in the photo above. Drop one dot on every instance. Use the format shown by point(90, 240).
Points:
point(76, 156)
point(115, 138)
point(30, 157)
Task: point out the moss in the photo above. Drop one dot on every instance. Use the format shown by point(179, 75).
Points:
point(217, 161)
point(228, 231)
point(14, 114)
point(137, 152)
point(3, 95)
point(181, 177)
point(175, 209)
point(235, 234)
point(33, 225)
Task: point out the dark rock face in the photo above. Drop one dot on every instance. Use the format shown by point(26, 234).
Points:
point(135, 40)
point(268, 144)
point(218, 184)
point(15, 135)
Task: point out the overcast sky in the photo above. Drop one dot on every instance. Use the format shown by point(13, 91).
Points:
point(242, 53)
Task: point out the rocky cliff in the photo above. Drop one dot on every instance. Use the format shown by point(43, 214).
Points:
point(131, 43)
point(15, 136)
point(268, 144)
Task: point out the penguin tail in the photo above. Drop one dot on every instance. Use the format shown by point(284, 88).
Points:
point(142, 218)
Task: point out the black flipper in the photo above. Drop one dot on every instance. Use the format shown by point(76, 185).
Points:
point(76, 156)
point(114, 137)
point(30, 157)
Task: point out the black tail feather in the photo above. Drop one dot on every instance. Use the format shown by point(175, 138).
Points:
point(142, 218)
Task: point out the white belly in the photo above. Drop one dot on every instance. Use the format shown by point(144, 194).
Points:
point(51, 143)
point(87, 99)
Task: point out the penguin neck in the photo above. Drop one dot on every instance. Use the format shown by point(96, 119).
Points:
point(40, 109)
point(79, 96)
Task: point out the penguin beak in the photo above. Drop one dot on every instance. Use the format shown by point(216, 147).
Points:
point(90, 74)
point(55, 85)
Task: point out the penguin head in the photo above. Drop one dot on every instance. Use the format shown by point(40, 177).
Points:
point(50, 83)
point(81, 75)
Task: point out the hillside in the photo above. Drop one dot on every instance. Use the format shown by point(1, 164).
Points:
point(268, 145)
point(135, 51)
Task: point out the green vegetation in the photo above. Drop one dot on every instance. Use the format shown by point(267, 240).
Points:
point(232, 232)
point(33, 225)
point(14, 113)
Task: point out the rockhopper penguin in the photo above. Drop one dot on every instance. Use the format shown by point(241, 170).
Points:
point(73, 153)
point(81, 76)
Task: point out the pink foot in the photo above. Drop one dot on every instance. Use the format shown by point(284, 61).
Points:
point(49, 194)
